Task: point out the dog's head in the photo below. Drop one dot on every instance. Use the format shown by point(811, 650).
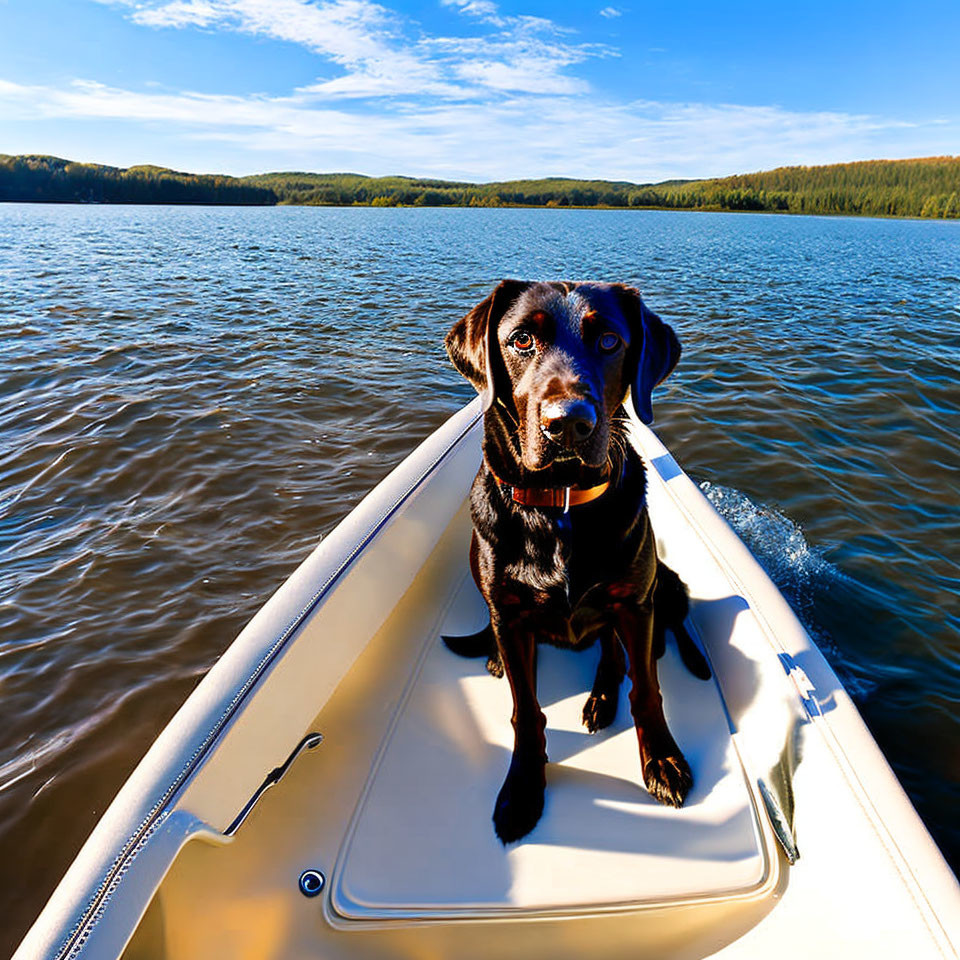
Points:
point(556, 360)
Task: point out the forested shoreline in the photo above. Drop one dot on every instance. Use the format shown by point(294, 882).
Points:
point(928, 188)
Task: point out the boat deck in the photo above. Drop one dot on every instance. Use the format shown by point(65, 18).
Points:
point(394, 807)
point(422, 842)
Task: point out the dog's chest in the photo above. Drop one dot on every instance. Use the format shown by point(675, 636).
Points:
point(567, 560)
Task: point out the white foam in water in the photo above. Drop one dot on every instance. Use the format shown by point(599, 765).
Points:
point(775, 540)
point(798, 569)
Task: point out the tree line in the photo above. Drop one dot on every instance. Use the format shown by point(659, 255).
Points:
point(927, 187)
point(52, 180)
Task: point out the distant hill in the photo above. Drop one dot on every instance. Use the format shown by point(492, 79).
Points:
point(885, 188)
point(50, 179)
point(927, 187)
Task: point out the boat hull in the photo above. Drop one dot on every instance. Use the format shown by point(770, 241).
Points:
point(392, 808)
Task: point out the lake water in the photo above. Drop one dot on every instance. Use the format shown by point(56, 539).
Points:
point(191, 397)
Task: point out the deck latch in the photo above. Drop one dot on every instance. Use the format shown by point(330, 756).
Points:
point(778, 820)
point(310, 741)
point(802, 682)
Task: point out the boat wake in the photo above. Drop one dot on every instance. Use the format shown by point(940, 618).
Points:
point(800, 571)
point(776, 541)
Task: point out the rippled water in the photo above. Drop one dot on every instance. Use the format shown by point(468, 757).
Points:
point(191, 397)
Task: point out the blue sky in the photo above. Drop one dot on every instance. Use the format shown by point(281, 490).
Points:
point(478, 89)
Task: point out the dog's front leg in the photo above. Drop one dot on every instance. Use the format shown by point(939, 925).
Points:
point(520, 801)
point(601, 706)
point(666, 773)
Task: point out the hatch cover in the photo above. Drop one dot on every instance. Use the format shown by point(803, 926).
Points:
point(422, 844)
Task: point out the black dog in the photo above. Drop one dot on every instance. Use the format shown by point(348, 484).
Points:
point(562, 549)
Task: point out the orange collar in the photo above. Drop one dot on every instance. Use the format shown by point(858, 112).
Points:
point(565, 497)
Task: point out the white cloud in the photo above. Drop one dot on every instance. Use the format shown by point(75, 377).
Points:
point(611, 12)
point(349, 32)
point(520, 61)
point(180, 13)
point(501, 99)
point(482, 9)
point(382, 55)
point(499, 138)
point(523, 77)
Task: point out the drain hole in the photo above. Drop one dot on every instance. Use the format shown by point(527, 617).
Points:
point(311, 882)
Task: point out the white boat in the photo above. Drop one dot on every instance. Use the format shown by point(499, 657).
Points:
point(385, 753)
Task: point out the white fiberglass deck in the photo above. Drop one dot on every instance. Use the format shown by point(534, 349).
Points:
point(422, 841)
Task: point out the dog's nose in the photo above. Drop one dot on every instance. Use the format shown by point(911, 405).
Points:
point(568, 422)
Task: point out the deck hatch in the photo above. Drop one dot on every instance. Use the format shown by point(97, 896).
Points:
point(422, 845)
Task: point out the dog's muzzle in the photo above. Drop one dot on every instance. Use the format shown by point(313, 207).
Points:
point(568, 423)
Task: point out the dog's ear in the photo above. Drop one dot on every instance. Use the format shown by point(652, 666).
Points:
point(655, 349)
point(472, 343)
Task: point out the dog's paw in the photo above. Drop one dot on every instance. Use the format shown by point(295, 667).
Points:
point(520, 802)
point(668, 779)
point(599, 711)
point(495, 665)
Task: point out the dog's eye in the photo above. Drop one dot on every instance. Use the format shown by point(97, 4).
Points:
point(522, 341)
point(608, 342)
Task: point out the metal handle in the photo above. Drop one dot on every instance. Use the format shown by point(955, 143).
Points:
point(310, 741)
